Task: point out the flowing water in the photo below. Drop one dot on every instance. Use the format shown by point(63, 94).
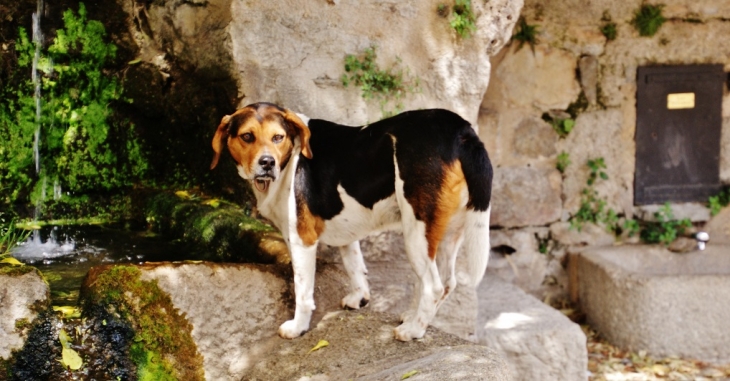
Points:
point(64, 254)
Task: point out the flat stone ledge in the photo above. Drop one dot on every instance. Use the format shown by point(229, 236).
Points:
point(538, 342)
point(361, 347)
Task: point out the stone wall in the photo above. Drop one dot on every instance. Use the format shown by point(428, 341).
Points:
point(572, 56)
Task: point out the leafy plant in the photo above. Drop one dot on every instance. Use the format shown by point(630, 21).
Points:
point(632, 227)
point(463, 20)
point(596, 167)
point(719, 201)
point(563, 161)
point(10, 236)
point(375, 82)
point(525, 34)
point(609, 30)
point(82, 145)
point(665, 228)
point(648, 19)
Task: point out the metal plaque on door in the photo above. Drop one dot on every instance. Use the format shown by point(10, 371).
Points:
point(678, 125)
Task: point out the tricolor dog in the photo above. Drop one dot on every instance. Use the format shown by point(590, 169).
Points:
point(423, 172)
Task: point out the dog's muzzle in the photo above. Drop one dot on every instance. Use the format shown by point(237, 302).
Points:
point(265, 174)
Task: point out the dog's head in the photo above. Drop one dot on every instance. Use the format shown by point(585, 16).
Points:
point(261, 139)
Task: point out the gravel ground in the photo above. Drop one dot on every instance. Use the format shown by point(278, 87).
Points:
point(609, 363)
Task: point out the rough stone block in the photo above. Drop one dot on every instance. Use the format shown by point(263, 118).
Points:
point(647, 298)
point(588, 66)
point(544, 79)
point(600, 134)
point(589, 235)
point(23, 293)
point(525, 197)
point(538, 342)
point(526, 267)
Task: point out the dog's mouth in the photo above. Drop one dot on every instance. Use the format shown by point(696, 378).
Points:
point(261, 183)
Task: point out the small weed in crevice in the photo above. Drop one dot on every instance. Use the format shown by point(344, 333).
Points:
point(609, 30)
point(463, 20)
point(719, 201)
point(442, 10)
point(526, 33)
point(563, 161)
point(376, 83)
point(648, 19)
point(609, 27)
point(561, 122)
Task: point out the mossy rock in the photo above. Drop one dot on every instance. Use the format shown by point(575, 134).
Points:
point(8, 269)
point(220, 231)
point(161, 347)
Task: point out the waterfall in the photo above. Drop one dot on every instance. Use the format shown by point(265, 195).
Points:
point(38, 41)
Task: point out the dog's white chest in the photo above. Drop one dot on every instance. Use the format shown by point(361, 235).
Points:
point(356, 221)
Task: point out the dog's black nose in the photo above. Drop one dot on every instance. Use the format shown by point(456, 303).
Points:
point(267, 162)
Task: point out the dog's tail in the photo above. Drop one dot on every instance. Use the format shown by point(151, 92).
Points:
point(478, 174)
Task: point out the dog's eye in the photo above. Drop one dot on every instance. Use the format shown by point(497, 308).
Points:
point(247, 137)
point(277, 138)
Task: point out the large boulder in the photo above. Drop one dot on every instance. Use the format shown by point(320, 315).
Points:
point(232, 313)
point(293, 53)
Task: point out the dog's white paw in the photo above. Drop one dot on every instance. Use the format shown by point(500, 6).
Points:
point(409, 331)
point(355, 300)
point(292, 329)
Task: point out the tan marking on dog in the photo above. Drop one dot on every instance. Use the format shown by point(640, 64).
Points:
point(449, 198)
point(309, 226)
point(248, 153)
point(263, 123)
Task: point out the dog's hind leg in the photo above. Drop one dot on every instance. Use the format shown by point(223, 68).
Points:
point(359, 295)
point(446, 260)
point(429, 289)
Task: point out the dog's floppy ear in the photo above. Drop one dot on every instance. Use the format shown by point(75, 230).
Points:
point(302, 131)
point(220, 135)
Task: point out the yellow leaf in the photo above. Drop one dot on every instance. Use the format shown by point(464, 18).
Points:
point(660, 370)
point(64, 338)
point(134, 62)
point(12, 261)
point(68, 312)
point(213, 202)
point(183, 195)
point(71, 359)
point(409, 374)
point(321, 344)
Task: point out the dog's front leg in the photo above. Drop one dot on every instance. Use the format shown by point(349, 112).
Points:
point(303, 259)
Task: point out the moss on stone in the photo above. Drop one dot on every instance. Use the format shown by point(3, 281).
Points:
point(15, 270)
point(22, 324)
point(222, 232)
point(163, 348)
